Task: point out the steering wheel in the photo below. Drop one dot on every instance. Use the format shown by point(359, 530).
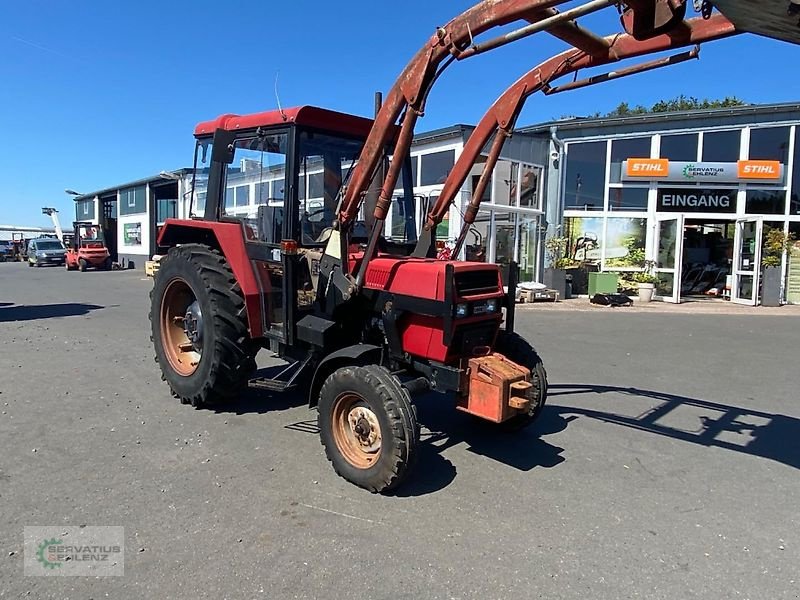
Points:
point(308, 236)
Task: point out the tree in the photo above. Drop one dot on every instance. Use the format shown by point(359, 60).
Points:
point(681, 103)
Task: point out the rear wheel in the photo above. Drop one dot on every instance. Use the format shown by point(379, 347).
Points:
point(199, 326)
point(82, 264)
point(107, 264)
point(368, 427)
point(517, 349)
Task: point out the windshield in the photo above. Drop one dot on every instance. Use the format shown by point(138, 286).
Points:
point(325, 163)
point(54, 245)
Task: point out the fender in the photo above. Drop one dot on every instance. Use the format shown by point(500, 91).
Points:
point(357, 354)
point(228, 238)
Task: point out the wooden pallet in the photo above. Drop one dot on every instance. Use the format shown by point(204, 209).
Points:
point(151, 268)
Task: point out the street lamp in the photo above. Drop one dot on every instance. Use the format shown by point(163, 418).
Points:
point(72, 192)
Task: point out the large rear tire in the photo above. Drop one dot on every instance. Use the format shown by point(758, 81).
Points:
point(82, 264)
point(199, 327)
point(517, 349)
point(368, 427)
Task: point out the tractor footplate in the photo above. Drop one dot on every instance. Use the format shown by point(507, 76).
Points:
point(498, 388)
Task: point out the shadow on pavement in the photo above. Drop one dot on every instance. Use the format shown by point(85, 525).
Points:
point(446, 427)
point(443, 428)
point(767, 435)
point(9, 313)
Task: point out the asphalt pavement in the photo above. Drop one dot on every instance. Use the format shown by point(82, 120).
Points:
point(664, 466)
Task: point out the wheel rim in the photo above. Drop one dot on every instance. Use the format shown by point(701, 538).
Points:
point(181, 327)
point(356, 430)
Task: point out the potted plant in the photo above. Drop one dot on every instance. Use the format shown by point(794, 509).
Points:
point(776, 242)
point(555, 277)
point(646, 281)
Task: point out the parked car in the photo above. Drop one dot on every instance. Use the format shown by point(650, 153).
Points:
point(6, 251)
point(46, 251)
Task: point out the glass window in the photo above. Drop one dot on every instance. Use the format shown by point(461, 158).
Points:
point(243, 195)
point(257, 160)
point(770, 143)
point(166, 209)
point(625, 242)
point(585, 176)
point(584, 239)
point(679, 147)
point(765, 202)
point(262, 194)
point(323, 158)
point(505, 183)
point(202, 161)
point(794, 201)
point(624, 149)
point(301, 188)
point(277, 187)
point(436, 166)
point(627, 198)
point(315, 185)
point(414, 170)
point(529, 186)
point(721, 146)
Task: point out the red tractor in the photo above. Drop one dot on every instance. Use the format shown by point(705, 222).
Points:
point(87, 248)
point(369, 318)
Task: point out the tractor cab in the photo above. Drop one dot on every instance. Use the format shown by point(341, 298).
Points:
point(280, 175)
point(87, 248)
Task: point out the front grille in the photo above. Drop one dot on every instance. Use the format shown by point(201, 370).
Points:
point(474, 283)
point(468, 338)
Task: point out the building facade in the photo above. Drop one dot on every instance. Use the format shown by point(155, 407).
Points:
point(700, 194)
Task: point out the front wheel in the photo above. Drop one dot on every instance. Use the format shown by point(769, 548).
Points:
point(517, 349)
point(82, 264)
point(199, 326)
point(368, 427)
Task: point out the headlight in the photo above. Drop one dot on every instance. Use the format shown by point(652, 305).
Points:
point(461, 309)
point(491, 306)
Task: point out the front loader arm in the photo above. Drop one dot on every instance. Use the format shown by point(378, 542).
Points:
point(499, 120)
point(456, 41)
point(407, 95)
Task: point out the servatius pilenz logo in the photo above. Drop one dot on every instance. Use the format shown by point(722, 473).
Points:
point(46, 554)
point(688, 171)
point(74, 550)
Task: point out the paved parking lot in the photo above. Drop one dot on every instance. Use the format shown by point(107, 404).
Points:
point(665, 466)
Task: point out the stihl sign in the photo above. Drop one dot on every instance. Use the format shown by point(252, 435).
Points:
point(759, 169)
point(662, 169)
point(652, 168)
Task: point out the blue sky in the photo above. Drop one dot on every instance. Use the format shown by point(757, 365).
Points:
point(99, 93)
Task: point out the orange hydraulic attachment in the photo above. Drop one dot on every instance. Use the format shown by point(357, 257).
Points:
point(498, 388)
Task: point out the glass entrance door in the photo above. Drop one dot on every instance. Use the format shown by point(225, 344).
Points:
point(669, 250)
point(514, 235)
point(747, 261)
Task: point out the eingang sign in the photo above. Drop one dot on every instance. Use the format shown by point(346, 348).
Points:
point(661, 169)
point(697, 200)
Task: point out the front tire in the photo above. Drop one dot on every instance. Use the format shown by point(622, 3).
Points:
point(368, 427)
point(199, 326)
point(517, 349)
point(82, 264)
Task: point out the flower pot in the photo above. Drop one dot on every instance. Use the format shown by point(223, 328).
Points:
point(646, 291)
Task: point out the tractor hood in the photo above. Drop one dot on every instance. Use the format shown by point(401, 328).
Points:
point(428, 278)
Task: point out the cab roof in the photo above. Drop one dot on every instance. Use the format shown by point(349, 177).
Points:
point(310, 116)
